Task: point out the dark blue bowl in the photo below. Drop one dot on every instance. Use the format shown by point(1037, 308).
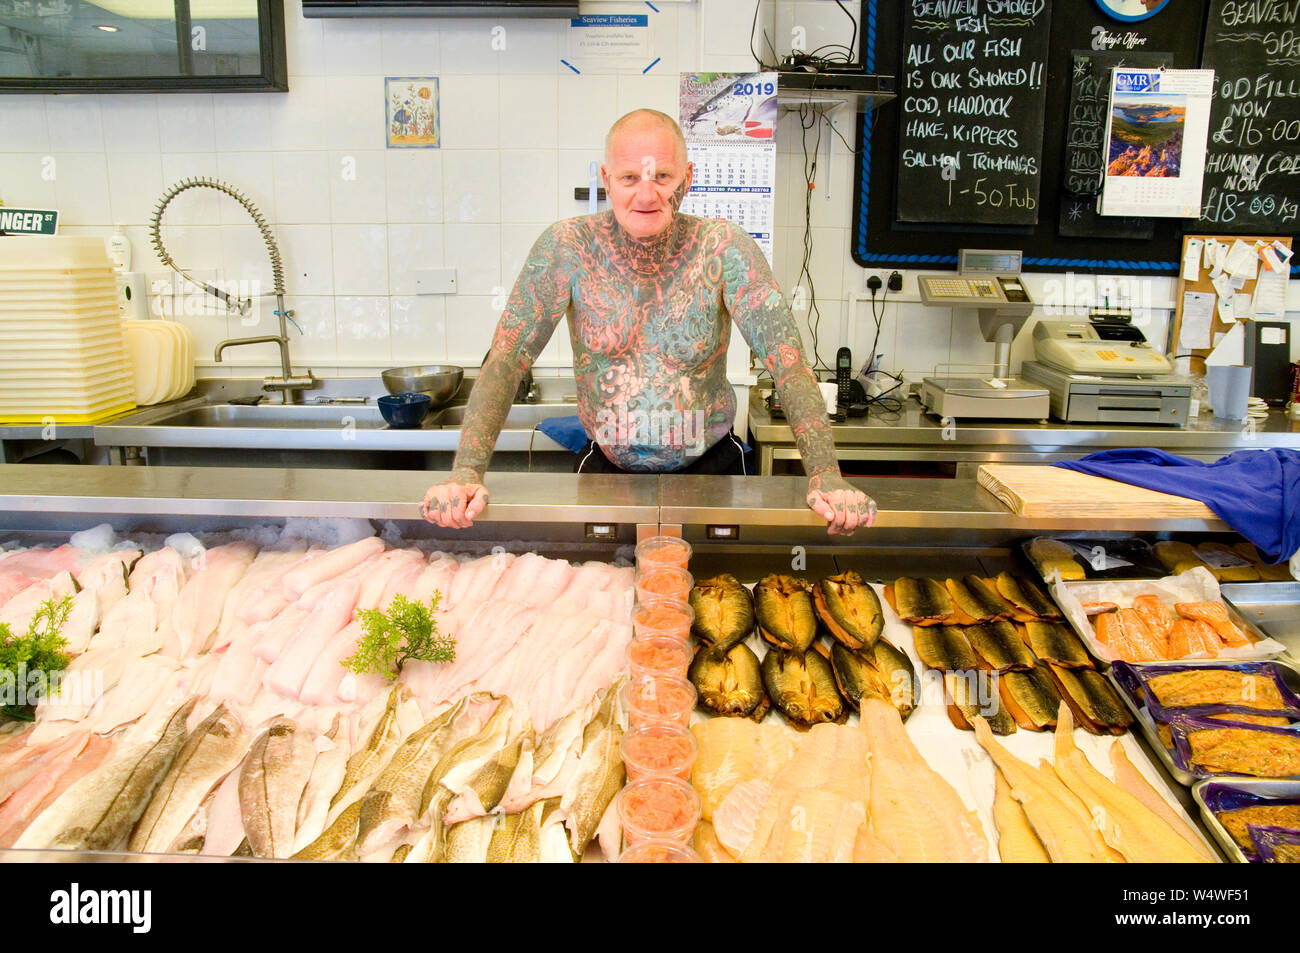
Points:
point(405, 410)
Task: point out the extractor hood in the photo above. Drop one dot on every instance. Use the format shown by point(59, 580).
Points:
point(439, 8)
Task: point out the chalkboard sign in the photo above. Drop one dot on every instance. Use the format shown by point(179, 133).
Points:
point(881, 235)
point(1252, 163)
point(1084, 165)
point(973, 91)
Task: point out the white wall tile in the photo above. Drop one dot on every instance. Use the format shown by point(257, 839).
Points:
point(364, 332)
point(466, 46)
point(244, 258)
point(636, 91)
point(470, 112)
point(301, 187)
point(130, 123)
point(308, 256)
point(419, 328)
point(471, 186)
point(516, 242)
point(21, 183)
point(412, 248)
point(81, 189)
point(305, 46)
point(529, 111)
point(25, 126)
point(134, 185)
point(195, 206)
point(528, 46)
point(414, 185)
point(356, 112)
point(360, 259)
point(319, 338)
point(253, 175)
point(357, 186)
point(588, 106)
point(300, 118)
point(243, 123)
point(185, 122)
point(475, 252)
point(75, 123)
point(471, 322)
point(529, 186)
point(411, 47)
point(352, 47)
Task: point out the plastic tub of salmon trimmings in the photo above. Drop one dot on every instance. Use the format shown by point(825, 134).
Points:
point(659, 751)
point(659, 852)
point(658, 809)
point(661, 580)
point(655, 618)
point(663, 550)
point(662, 700)
point(659, 655)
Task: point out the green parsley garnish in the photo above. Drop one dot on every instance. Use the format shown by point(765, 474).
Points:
point(41, 649)
point(406, 631)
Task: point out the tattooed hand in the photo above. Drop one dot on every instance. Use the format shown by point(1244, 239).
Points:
point(844, 507)
point(454, 502)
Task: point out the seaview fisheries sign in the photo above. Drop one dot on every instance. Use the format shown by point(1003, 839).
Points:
point(971, 125)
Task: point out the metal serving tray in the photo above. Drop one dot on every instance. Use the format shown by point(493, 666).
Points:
point(1273, 607)
point(1259, 786)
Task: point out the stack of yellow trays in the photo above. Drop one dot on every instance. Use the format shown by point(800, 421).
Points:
point(62, 356)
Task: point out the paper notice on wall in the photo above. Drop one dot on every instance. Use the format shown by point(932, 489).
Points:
point(1241, 306)
point(1192, 260)
point(1198, 318)
point(1270, 295)
point(1242, 261)
point(729, 121)
point(605, 42)
point(1156, 131)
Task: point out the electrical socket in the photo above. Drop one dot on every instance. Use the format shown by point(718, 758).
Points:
point(878, 274)
point(895, 282)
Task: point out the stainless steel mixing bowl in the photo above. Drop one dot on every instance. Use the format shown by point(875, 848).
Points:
point(439, 381)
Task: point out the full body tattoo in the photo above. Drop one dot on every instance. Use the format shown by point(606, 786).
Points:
point(649, 326)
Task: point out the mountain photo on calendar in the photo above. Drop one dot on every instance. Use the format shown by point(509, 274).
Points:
point(1146, 137)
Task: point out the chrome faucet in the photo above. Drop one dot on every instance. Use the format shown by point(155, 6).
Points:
point(286, 383)
point(527, 392)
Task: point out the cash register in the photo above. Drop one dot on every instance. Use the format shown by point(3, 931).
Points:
point(1103, 370)
point(987, 282)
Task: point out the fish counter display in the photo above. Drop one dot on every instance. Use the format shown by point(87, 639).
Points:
point(351, 702)
point(261, 694)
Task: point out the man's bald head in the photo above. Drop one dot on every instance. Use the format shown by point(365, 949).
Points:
point(647, 120)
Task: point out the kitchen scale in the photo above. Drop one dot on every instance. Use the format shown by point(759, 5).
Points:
point(1103, 370)
point(989, 283)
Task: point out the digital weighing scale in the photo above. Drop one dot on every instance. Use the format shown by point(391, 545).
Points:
point(989, 283)
point(1103, 371)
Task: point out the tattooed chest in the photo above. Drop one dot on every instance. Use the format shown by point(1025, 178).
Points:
point(678, 325)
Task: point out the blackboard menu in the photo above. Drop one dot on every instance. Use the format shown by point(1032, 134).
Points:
point(973, 82)
point(1084, 157)
point(1252, 163)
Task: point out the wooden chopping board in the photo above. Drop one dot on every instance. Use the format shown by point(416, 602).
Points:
point(1053, 491)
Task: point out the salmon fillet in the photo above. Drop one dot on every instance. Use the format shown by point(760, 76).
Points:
point(1192, 637)
point(1216, 614)
point(1158, 616)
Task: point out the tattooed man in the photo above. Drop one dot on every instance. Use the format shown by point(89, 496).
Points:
point(649, 293)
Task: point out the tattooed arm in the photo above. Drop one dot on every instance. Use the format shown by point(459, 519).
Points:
point(754, 300)
point(538, 302)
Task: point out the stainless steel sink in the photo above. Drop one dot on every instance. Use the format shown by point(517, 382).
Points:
point(520, 416)
point(276, 416)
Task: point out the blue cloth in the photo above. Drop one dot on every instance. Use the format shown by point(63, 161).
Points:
point(566, 431)
point(1256, 492)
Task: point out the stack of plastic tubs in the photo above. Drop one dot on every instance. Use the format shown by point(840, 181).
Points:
point(62, 356)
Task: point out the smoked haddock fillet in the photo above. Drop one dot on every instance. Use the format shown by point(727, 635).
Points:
point(1017, 842)
point(1126, 823)
point(915, 813)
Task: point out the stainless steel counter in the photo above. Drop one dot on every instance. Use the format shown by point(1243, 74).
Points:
point(941, 513)
point(913, 435)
